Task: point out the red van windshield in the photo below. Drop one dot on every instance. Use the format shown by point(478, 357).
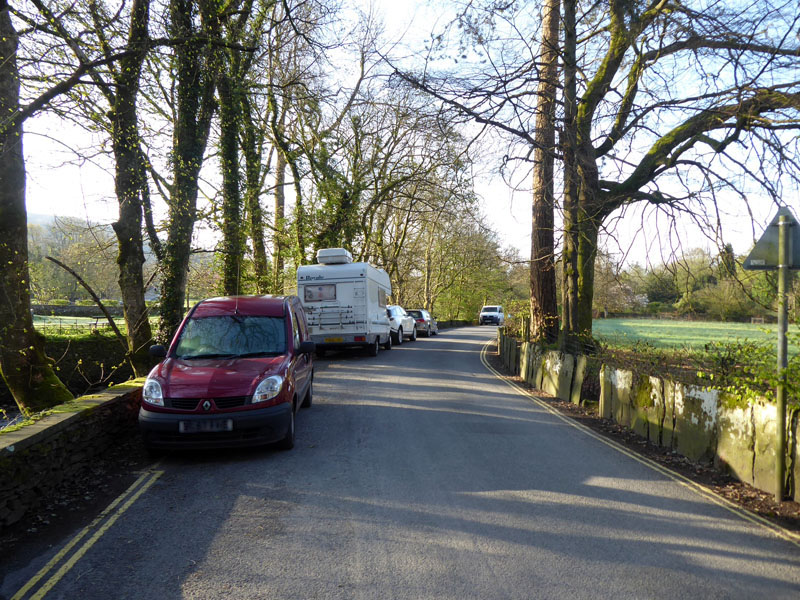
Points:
point(232, 336)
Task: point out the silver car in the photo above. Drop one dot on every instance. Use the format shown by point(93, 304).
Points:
point(424, 322)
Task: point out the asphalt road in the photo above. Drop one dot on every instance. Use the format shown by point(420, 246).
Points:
point(417, 474)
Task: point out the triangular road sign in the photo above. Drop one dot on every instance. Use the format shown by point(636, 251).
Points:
point(764, 256)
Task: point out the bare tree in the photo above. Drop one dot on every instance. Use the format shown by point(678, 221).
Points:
point(119, 85)
point(682, 105)
point(514, 94)
point(674, 99)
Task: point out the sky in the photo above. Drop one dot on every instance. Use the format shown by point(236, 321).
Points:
point(59, 184)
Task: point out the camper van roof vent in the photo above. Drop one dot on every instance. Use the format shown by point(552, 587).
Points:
point(333, 256)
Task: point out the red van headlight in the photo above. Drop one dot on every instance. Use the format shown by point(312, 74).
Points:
point(268, 389)
point(151, 392)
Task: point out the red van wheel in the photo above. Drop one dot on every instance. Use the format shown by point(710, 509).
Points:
point(287, 443)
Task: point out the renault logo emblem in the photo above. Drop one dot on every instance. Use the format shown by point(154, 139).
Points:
point(206, 404)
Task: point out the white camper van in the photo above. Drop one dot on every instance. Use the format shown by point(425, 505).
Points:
point(345, 302)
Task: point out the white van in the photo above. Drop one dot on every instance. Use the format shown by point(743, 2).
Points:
point(491, 314)
point(345, 302)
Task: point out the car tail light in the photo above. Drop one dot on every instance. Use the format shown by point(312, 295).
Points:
point(359, 338)
point(420, 320)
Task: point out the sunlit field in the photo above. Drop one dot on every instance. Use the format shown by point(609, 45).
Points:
point(665, 333)
point(67, 325)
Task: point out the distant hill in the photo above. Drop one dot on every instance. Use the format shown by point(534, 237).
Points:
point(48, 220)
point(38, 219)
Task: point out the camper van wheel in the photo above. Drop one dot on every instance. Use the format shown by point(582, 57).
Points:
point(372, 349)
point(387, 345)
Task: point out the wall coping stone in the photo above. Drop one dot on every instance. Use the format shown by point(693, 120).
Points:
point(54, 423)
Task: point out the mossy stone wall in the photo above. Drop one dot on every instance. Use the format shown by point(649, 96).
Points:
point(37, 458)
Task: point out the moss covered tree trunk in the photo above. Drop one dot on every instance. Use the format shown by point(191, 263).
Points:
point(25, 368)
point(195, 74)
point(584, 275)
point(232, 242)
point(279, 238)
point(252, 197)
point(129, 185)
point(569, 292)
point(588, 207)
point(583, 234)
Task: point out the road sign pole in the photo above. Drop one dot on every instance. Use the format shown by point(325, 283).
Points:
point(779, 249)
point(784, 262)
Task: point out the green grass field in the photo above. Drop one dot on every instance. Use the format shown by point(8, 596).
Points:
point(77, 326)
point(665, 333)
point(70, 325)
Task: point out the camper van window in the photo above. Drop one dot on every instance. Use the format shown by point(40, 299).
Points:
point(317, 293)
point(381, 298)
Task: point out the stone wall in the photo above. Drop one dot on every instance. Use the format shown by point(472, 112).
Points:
point(74, 310)
point(38, 458)
point(703, 424)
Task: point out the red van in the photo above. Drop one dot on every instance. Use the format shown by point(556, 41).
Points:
point(235, 374)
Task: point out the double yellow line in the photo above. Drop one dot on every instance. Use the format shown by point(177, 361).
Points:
point(62, 562)
point(697, 488)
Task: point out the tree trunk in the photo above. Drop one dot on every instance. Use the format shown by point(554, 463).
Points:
point(252, 195)
point(584, 280)
point(544, 308)
point(231, 198)
point(428, 275)
point(195, 82)
point(299, 216)
point(587, 218)
point(279, 240)
point(25, 368)
point(569, 291)
point(590, 215)
point(129, 184)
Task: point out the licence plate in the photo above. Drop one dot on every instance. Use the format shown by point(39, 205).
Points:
point(205, 426)
point(333, 340)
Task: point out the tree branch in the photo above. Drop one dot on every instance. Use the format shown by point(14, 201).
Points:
point(96, 299)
